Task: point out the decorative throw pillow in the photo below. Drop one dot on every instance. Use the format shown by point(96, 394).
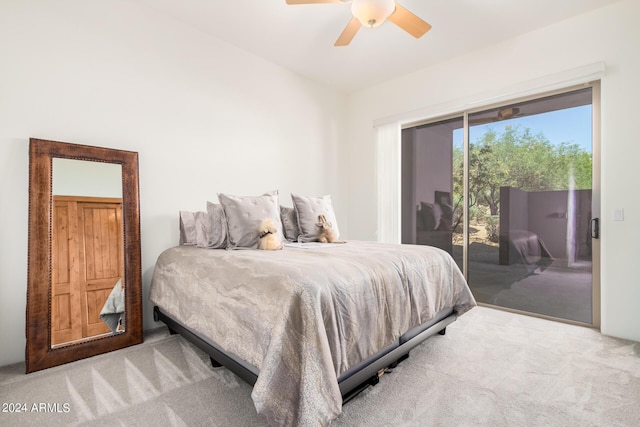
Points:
point(217, 231)
point(437, 216)
point(244, 214)
point(289, 223)
point(446, 220)
point(202, 229)
point(187, 228)
point(308, 209)
point(430, 214)
point(422, 220)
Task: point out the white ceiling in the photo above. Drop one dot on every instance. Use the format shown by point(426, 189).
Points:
point(301, 37)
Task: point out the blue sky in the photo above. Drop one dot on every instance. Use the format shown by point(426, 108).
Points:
point(571, 125)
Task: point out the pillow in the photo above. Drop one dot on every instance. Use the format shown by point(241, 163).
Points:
point(289, 223)
point(202, 229)
point(446, 220)
point(430, 214)
point(437, 216)
point(308, 209)
point(187, 228)
point(217, 231)
point(244, 214)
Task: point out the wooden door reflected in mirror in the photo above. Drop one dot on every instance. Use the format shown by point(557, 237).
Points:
point(87, 280)
point(84, 280)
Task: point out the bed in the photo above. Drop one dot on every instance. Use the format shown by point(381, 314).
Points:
point(308, 326)
point(112, 312)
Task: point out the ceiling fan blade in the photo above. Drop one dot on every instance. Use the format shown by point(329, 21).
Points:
point(409, 22)
point(312, 1)
point(349, 32)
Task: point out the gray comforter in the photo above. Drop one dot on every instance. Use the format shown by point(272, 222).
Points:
point(304, 316)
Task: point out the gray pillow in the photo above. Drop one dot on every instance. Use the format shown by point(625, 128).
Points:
point(289, 223)
point(217, 230)
point(187, 228)
point(202, 229)
point(244, 215)
point(308, 209)
point(430, 215)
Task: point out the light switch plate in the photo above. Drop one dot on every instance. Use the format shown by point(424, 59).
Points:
point(618, 214)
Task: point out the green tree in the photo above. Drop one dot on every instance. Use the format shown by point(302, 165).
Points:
point(521, 159)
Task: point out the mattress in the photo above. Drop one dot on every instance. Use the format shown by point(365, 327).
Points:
point(305, 316)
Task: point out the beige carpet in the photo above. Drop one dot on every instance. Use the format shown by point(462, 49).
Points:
point(491, 368)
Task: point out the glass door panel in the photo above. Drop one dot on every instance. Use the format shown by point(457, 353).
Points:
point(432, 186)
point(530, 206)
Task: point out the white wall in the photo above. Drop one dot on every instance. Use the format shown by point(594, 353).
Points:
point(609, 34)
point(204, 117)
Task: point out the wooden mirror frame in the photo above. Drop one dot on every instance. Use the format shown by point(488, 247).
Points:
point(39, 353)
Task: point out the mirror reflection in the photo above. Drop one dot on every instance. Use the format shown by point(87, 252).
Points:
point(87, 271)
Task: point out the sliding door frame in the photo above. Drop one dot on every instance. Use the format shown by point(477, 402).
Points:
point(596, 187)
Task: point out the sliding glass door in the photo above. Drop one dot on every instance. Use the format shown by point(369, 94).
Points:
point(432, 199)
point(525, 205)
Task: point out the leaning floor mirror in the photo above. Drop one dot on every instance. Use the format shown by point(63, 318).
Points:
point(84, 287)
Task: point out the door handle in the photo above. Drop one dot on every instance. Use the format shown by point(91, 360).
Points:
point(594, 224)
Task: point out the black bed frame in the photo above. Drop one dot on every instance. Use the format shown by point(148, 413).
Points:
point(351, 383)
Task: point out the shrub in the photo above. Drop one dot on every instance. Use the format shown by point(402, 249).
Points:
point(493, 228)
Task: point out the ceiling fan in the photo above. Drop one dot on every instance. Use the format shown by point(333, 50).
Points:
point(503, 114)
point(371, 13)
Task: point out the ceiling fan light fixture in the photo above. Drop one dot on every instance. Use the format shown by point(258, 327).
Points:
point(372, 13)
